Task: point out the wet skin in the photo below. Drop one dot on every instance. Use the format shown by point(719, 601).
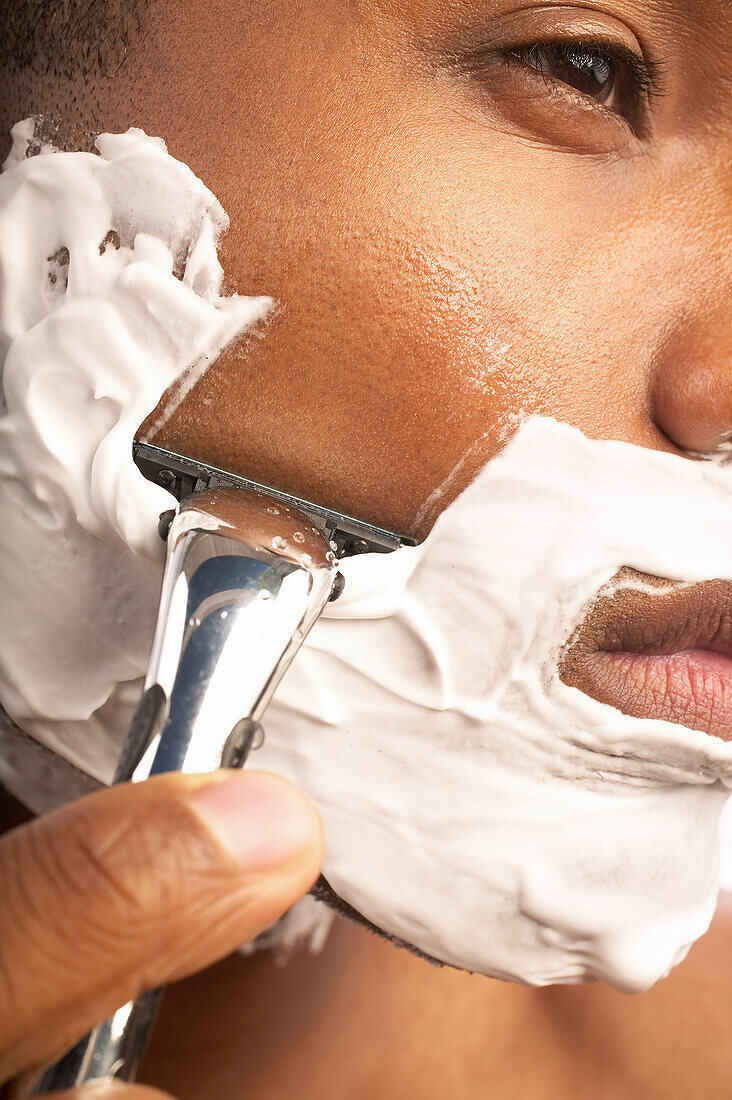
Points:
point(454, 238)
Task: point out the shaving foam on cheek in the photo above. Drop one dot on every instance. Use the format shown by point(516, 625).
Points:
point(110, 296)
point(473, 804)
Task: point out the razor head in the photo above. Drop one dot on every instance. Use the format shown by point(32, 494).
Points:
point(184, 477)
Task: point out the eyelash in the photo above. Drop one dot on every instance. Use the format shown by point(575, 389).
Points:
point(644, 76)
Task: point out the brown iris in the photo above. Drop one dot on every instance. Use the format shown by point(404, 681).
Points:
point(588, 70)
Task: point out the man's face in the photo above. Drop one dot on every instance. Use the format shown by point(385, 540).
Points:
point(460, 221)
point(467, 213)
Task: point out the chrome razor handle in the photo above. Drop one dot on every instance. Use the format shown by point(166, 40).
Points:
point(246, 577)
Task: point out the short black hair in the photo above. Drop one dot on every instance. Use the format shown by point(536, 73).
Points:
point(69, 38)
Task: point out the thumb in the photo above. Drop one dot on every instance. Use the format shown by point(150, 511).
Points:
point(134, 887)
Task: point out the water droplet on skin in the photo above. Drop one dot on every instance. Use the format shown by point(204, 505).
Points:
point(306, 561)
point(330, 556)
point(298, 536)
point(273, 511)
point(279, 543)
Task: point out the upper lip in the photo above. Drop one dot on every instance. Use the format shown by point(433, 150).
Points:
point(643, 620)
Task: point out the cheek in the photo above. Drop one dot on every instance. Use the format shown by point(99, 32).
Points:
point(387, 361)
point(400, 348)
point(427, 297)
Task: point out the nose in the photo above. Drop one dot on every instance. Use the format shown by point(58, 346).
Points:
point(691, 389)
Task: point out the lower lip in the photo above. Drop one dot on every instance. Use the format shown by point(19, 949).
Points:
point(692, 688)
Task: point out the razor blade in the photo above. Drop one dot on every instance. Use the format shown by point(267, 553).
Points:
point(185, 477)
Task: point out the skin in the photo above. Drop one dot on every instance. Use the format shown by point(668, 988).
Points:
point(449, 251)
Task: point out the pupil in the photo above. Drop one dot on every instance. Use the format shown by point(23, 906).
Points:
point(588, 71)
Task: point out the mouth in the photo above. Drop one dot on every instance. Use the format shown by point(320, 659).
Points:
point(658, 649)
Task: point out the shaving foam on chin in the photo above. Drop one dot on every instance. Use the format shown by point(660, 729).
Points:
point(474, 805)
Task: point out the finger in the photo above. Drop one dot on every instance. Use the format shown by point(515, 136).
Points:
point(136, 886)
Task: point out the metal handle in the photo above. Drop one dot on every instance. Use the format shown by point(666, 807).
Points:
point(245, 580)
point(112, 1049)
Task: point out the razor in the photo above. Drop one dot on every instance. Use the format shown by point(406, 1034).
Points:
point(248, 571)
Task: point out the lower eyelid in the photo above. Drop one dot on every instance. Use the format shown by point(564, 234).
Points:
point(555, 86)
point(552, 113)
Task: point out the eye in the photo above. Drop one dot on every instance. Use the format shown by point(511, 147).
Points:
point(579, 94)
point(610, 74)
point(581, 67)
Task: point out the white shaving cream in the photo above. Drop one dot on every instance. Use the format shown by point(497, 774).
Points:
point(474, 805)
point(94, 327)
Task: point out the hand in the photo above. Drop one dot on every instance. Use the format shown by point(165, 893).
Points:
point(134, 887)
